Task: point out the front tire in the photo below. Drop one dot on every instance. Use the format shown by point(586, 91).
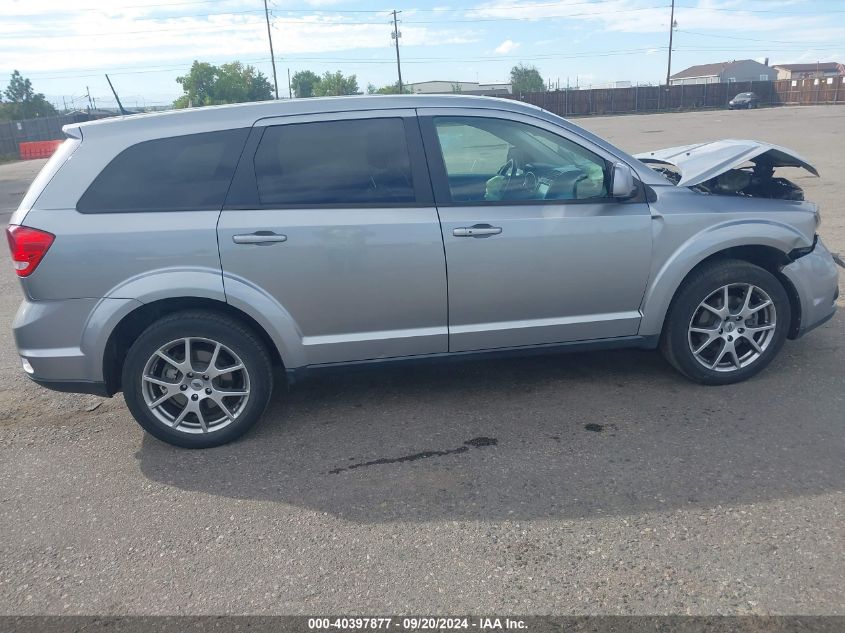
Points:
point(726, 323)
point(197, 379)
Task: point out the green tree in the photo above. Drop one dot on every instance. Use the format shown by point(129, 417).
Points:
point(23, 101)
point(526, 79)
point(197, 85)
point(206, 84)
point(237, 83)
point(391, 89)
point(336, 83)
point(304, 83)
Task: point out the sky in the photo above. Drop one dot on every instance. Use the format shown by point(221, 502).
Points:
point(66, 47)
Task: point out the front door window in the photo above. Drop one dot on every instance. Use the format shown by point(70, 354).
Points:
point(494, 160)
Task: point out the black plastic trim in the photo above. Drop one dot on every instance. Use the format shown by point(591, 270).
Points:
point(797, 253)
point(810, 328)
point(75, 386)
point(621, 342)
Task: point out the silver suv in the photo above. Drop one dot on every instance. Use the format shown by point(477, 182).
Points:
point(182, 257)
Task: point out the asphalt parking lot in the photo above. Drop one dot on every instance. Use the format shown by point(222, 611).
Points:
point(589, 483)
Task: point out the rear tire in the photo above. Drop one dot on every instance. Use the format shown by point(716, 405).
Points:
point(197, 379)
point(726, 323)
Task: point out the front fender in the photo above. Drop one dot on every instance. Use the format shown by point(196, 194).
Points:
point(682, 259)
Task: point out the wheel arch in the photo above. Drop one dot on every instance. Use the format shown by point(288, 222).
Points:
point(766, 257)
point(130, 327)
point(769, 247)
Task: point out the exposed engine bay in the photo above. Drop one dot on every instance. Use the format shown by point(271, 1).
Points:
point(756, 181)
point(730, 168)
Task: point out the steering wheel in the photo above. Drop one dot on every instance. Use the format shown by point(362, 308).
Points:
point(508, 170)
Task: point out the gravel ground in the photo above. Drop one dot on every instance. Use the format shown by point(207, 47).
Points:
point(590, 483)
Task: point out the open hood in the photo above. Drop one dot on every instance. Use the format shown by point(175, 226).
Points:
point(700, 162)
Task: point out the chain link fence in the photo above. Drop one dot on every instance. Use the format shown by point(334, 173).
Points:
point(49, 128)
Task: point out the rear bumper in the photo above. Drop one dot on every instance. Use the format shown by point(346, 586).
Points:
point(62, 343)
point(815, 278)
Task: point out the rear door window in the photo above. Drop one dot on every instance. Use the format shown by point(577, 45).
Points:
point(179, 173)
point(337, 163)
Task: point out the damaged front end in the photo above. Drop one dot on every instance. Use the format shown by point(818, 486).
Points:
point(730, 168)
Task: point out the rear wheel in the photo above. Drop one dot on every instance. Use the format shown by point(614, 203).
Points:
point(726, 323)
point(197, 379)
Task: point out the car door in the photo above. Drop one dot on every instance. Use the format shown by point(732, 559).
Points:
point(537, 251)
point(332, 215)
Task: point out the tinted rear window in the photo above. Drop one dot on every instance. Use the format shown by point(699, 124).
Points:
point(360, 161)
point(180, 173)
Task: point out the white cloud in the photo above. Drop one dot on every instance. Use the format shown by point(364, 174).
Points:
point(506, 47)
point(641, 16)
point(94, 40)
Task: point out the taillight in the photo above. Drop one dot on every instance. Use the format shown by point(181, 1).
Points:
point(28, 247)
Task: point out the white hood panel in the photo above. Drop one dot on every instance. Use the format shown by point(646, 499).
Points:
point(702, 161)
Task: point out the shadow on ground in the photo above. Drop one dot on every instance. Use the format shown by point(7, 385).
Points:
point(558, 436)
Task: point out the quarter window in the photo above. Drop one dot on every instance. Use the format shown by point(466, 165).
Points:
point(179, 173)
point(356, 161)
point(492, 160)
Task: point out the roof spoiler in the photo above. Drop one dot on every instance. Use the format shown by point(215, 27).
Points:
point(72, 130)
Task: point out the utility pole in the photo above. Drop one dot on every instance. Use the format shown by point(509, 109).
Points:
point(396, 35)
point(290, 94)
point(272, 56)
point(671, 29)
point(90, 103)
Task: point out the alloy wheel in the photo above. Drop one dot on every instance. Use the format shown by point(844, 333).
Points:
point(732, 327)
point(195, 385)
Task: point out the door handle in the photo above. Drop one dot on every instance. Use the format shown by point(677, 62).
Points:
point(259, 237)
point(477, 230)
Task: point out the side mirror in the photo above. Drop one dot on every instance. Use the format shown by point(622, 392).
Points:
point(623, 181)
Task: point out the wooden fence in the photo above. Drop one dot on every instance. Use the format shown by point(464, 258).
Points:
point(574, 102)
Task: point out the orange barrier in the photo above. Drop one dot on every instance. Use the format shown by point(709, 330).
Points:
point(38, 149)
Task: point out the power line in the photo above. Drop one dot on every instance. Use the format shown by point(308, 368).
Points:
point(427, 60)
point(776, 11)
point(131, 6)
point(128, 70)
point(527, 5)
point(30, 34)
point(110, 8)
point(434, 59)
point(215, 29)
point(747, 39)
point(343, 22)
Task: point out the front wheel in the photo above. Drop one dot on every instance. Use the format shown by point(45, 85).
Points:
point(197, 379)
point(726, 323)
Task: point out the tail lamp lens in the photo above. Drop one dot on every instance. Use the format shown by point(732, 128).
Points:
point(28, 247)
